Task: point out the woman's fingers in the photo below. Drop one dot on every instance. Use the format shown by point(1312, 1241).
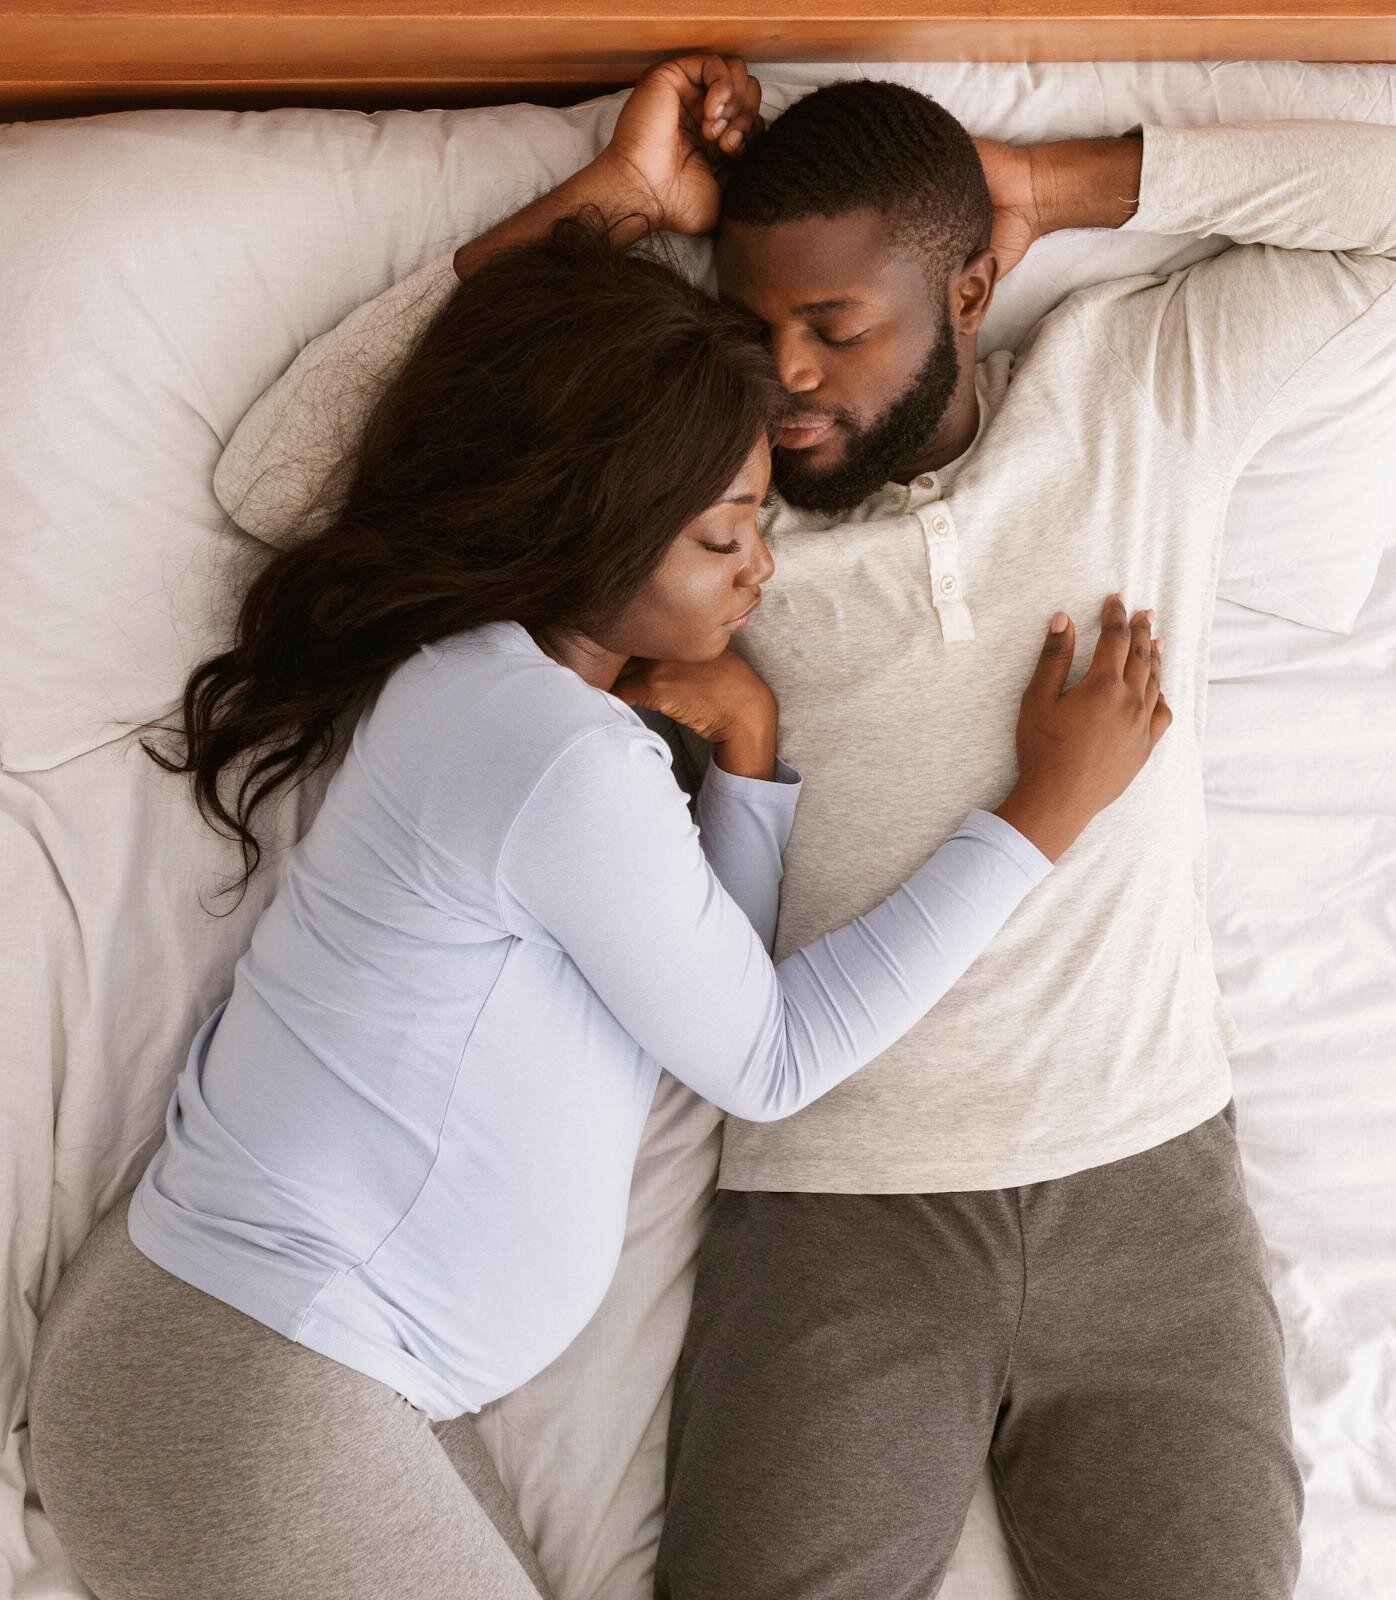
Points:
point(1153, 688)
point(1112, 648)
point(1054, 662)
point(634, 668)
point(1160, 721)
point(1140, 657)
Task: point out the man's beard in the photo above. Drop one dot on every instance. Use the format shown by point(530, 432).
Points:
point(874, 455)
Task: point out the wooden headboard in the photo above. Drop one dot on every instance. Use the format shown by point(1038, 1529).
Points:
point(72, 57)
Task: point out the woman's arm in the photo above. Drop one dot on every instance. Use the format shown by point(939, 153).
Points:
point(744, 825)
point(744, 804)
point(605, 859)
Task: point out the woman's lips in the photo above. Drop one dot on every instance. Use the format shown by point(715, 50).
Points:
point(746, 616)
point(804, 432)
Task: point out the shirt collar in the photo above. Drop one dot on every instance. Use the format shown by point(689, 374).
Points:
point(943, 478)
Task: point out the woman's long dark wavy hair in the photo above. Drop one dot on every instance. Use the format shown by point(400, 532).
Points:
point(564, 414)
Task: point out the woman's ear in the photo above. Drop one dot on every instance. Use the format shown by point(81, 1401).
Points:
point(972, 291)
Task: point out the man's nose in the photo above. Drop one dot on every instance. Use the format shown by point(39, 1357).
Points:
point(798, 372)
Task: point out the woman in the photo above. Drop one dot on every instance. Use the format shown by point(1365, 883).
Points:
point(396, 1167)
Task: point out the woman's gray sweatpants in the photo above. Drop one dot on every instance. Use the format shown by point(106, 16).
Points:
point(184, 1450)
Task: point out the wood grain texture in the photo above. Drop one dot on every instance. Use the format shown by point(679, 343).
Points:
point(64, 57)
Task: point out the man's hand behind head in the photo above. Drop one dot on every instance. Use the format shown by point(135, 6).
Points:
point(1009, 173)
point(684, 121)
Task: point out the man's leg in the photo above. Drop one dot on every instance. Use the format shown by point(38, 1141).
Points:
point(834, 1403)
point(1144, 1447)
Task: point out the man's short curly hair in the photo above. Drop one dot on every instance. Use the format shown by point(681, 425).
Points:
point(867, 143)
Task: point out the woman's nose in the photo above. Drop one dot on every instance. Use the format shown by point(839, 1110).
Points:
point(761, 566)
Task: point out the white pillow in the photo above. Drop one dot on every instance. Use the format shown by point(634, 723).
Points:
point(165, 266)
point(162, 267)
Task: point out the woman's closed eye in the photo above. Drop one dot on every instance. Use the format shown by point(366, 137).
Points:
point(723, 549)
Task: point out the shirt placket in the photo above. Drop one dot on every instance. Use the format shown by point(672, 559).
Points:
point(947, 577)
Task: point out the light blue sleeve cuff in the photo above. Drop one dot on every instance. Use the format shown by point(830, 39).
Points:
point(782, 790)
point(993, 829)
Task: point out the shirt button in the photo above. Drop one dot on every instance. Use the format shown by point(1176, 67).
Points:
point(941, 525)
point(948, 584)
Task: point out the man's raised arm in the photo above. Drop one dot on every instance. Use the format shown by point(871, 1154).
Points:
point(1228, 349)
point(293, 449)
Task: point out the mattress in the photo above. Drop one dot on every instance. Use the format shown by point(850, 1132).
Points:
point(108, 962)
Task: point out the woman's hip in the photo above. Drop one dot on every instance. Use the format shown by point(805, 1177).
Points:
point(123, 1338)
point(181, 1448)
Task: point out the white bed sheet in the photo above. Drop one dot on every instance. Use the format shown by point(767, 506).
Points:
point(1300, 768)
point(107, 964)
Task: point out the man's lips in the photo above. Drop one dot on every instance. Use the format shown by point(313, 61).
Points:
point(804, 432)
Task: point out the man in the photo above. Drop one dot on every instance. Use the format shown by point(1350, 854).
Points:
point(1022, 1233)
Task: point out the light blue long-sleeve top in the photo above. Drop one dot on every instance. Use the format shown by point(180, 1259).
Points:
point(407, 1137)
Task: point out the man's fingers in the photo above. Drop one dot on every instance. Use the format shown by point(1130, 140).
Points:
point(729, 106)
point(685, 75)
point(737, 72)
point(1112, 649)
point(698, 81)
point(711, 67)
point(719, 100)
point(744, 122)
point(671, 89)
point(1160, 721)
point(1140, 656)
point(724, 78)
point(1054, 663)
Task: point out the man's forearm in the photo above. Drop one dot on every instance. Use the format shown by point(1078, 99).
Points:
point(599, 183)
point(1086, 183)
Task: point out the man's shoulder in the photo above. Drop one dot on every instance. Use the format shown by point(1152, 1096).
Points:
point(1087, 317)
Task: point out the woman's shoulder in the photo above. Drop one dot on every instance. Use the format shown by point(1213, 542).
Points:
point(490, 699)
point(502, 673)
point(462, 737)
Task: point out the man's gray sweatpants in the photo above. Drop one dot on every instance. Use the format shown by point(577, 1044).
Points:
point(1108, 1340)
